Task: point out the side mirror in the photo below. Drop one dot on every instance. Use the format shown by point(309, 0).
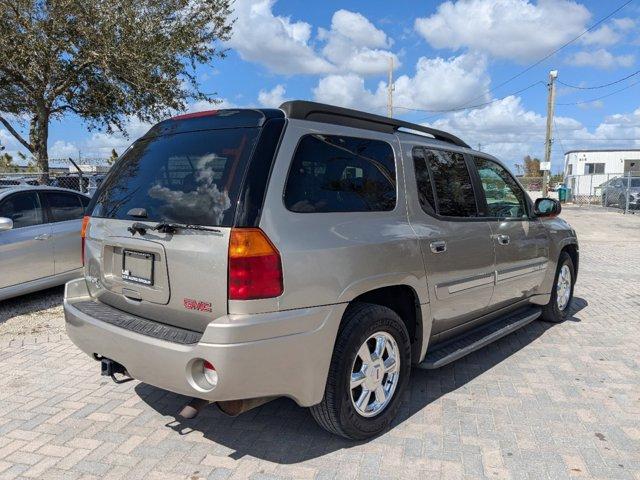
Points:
point(547, 207)
point(5, 224)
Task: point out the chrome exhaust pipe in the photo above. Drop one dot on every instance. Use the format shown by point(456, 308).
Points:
point(233, 408)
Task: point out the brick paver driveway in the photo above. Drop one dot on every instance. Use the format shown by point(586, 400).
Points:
point(551, 401)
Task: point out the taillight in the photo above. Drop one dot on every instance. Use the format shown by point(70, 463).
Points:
point(83, 234)
point(255, 269)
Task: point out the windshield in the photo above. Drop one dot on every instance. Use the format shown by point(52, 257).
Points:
point(635, 182)
point(190, 178)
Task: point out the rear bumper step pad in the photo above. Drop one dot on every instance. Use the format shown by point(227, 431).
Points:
point(475, 340)
point(140, 325)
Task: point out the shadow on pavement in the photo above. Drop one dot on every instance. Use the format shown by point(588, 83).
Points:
point(283, 432)
point(31, 303)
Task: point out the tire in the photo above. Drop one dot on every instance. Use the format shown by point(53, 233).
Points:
point(622, 202)
point(604, 200)
point(337, 412)
point(556, 311)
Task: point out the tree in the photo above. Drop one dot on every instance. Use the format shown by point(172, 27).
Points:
point(114, 156)
point(532, 167)
point(6, 164)
point(103, 61)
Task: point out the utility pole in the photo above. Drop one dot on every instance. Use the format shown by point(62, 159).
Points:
point(551, 102)
point(390, 90)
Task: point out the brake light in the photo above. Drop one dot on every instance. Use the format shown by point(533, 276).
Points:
point(255, 269)
point(205, 113)
point(83, 234)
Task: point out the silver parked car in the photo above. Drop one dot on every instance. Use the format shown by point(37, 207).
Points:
point(312, 252)
point(621, 191)
point(39, 238)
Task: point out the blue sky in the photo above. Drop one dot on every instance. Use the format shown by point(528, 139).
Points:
point(447, 55)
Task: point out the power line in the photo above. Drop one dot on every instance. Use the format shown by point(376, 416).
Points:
point(472, 106)
point(602, 96)
point(599, 86)
point(572, 141)
point(546, 57)
point(555, 127)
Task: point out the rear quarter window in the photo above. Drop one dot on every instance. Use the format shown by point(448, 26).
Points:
point(331, 173)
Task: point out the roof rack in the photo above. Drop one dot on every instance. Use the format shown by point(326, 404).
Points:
point(320, 112)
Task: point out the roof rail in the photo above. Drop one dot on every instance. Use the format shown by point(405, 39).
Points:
point(320, 112)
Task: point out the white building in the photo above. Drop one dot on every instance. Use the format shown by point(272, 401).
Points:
point(586, 170)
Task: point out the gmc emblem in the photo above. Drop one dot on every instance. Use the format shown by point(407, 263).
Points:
point(191, 304)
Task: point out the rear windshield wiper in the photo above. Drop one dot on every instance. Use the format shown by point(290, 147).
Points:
point(170, 228)
point(173, 227)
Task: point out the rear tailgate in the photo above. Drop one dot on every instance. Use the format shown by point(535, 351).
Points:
point(187, 285)
point(186, 174)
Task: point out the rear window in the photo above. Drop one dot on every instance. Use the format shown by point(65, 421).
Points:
point(332, 173)
point(189, 178)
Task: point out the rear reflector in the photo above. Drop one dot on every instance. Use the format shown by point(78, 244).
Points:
point(255, 269)
point(83, 234)
point(210, 373)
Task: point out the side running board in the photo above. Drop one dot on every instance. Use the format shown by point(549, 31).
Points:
point(476, 339)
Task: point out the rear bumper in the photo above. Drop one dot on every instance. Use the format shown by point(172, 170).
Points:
point(273, 354)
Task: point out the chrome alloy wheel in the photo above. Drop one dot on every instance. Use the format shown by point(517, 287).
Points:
point(563, 287)
point(374, 374)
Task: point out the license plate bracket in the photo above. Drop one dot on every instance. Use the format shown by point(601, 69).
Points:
point(137, 267)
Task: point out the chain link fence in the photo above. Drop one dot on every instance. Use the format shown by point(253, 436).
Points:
point(615, 191)
point(85, 182)
point(63, 173)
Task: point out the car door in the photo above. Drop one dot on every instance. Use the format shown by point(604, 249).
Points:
point(65, 212)
point(456, 242)
point(26, 251)
point(520, 239)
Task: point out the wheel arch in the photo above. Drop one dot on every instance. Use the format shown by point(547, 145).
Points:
point(404, 301)
point(572, 250)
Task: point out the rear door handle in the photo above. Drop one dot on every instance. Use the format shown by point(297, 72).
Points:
point(44, 236)
point(439, 246)
point(503, 239)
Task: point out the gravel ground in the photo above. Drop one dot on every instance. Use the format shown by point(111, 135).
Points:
point(35, 313)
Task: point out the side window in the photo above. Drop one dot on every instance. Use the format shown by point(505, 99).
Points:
point(23, 208)
point(423, 179)
point(452, 190)
point(505, 198)
point(332, 173)
point(64, 206)
point(591, 168)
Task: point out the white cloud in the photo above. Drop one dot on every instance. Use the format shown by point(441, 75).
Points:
point(437, 84)
point(513, 29)
point(203, 105)
point(609, 34)
point(604, 35)
point(621, 126)
point(356, 45)
point(62, 149)
point(275, 41)
point(509, 131)
point(600, 58)
point(352, 44)
point(349, 91)
point(272, 98)
point(624, 24)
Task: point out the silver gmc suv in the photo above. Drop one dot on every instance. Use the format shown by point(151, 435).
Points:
point(312, 252)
